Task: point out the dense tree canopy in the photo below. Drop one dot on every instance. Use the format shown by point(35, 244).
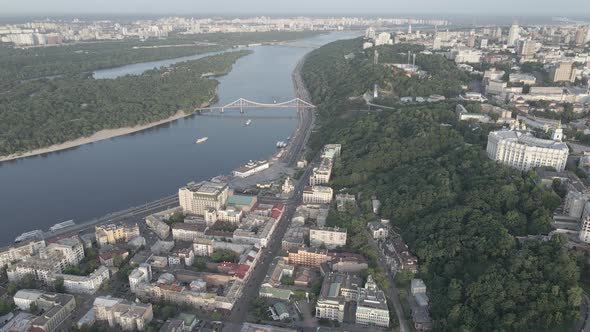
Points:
point(459, 212)
point(41, 113)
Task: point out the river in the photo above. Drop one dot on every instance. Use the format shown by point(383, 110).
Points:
point(95, 179)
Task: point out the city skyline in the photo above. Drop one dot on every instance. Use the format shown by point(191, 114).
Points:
point(307, 7)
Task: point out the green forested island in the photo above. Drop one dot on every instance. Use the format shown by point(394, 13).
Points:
point(40, 113)
point(48, 95)
point(459, 212)
point(38, 62)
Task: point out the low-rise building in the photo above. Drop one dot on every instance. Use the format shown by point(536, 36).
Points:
point(343, 201)
point(182, 256)
point(378, 230)
point(158, 226)
point(122, 314)
point(56, 308)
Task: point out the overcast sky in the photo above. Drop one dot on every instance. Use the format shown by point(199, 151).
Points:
point(291, 7)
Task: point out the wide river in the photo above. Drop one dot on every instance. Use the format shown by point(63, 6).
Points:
point(111, 175)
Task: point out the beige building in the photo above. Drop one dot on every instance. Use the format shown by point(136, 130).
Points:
point(56, 307)
point(196, 198)
point(317, 195)
point(525, 152)
point(41, 267)
point(115, 233)
point(564, 72)
point(122, 314)
point(308, 257)
point(331, 237)
point(20, 251)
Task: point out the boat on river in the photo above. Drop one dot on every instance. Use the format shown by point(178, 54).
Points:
point(202, 140)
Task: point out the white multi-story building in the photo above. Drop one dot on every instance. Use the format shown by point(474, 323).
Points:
point(330, 237)
point(20, 251)
point(321, 174)
point(372, 305)
point(187, 232)
point(585, 225)
point(383, 38)
point(141, 274)
point(85, 284)
point(576, 198)
point(317, 195)
point(203, 247)
point(196, 198)
point(337, 289)
point(182, 256)
point(513, 34)
point(122, 314)
point(71, 248)
point(525, 152)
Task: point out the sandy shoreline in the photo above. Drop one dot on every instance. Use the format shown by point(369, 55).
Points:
point(98, 136)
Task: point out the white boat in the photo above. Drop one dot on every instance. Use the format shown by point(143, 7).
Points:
point(248, 122)
point(61, 225)
point(202, 140)
point(29, 235)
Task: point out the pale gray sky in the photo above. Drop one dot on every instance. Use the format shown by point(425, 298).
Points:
point(286, 7)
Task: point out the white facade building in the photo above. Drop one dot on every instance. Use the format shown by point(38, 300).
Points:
point(525, 152)
point(317, 195)
point(85, 284)
point(330, 237)
point(141, 274)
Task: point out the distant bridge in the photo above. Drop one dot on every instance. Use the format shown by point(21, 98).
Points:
point(245, 103)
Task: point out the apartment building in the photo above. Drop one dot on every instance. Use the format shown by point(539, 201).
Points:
point(203, 247)
point(70, 247)
point(196, 198)
point(321, 175)
point(308, 257)
point(187, 232)
point(337, 289)
point(20, 251)
point(141, 274)
point(56, 308)
point(116, 233)
point(330, 237)
point(123, 314)
point(317, 195)
point(372, 305)
point(525, 152)
point(89, 284)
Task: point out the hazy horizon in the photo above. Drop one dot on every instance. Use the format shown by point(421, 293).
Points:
point(301, 7)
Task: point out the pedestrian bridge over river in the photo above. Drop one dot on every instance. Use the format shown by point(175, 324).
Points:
point(243, 103)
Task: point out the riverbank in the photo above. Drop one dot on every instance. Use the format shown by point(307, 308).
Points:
point(98, 136)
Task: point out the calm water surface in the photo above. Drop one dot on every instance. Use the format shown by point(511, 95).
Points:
point(111, 175)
